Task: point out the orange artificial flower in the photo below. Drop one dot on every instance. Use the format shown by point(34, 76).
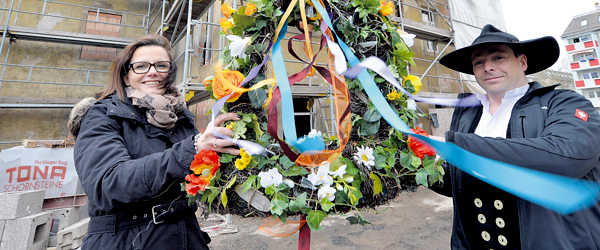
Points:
point(205, 159)
point(219, 87)
point(226, 24)
point(208, 81)
point(386, 9)
point(250, 9)
point(205, 165)
point(227, 10)
point(420, 149)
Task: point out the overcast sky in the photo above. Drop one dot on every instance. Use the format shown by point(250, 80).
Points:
point(528, 19)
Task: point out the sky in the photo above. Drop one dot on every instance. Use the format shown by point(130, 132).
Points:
point(529, 19)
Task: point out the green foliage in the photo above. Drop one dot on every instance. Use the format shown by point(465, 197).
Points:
point(359, 219)
point(314, 219)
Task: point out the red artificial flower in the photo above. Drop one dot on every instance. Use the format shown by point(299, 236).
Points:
point(196, 183)
point(420, 149)
point(205, 165)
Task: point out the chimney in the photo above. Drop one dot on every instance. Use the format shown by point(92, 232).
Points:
point(597, 6)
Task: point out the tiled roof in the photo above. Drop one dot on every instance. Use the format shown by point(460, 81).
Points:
point(575, 28)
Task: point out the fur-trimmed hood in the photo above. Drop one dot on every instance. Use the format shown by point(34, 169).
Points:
point(77, 114)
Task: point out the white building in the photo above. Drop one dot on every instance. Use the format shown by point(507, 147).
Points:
point(581, 39)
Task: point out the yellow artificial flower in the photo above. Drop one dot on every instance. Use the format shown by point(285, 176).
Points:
point(393, 95)
point(386, 9)
point(226, 24)
point(243, 162)
point(230, 125)
point(250, 9)
point(415, 81)
point(227, 10)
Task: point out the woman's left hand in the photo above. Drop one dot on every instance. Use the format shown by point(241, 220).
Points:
point(209, 141)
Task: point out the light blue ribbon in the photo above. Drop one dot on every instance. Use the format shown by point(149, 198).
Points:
point(287, 105)
point(558, 193)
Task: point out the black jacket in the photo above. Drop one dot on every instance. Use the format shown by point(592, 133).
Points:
point(543, 134)
point(127, 166)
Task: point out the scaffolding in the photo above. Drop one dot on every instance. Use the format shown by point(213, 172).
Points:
point(190, 27)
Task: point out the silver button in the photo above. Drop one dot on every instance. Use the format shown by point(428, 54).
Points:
point(500, 222)
point(502, 240)
point(478, 202)
point(485, 235)
point(481, 218)
point(498, 204)
point(145, 215)
point(135, 217)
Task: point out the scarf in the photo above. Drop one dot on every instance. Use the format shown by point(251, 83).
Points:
point(161, 109)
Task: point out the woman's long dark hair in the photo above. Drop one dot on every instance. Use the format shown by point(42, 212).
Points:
point(120, 66)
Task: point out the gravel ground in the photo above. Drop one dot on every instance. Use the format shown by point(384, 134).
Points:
point(414, 220)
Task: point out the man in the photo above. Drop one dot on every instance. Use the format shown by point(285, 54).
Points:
point(524, 124)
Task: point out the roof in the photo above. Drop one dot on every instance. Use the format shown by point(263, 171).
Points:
point(575, 28)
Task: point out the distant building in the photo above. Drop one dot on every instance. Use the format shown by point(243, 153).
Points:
point(551, 77)
point(581, 39)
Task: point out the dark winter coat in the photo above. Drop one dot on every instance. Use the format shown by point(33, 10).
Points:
point(544, 134)
point(126, 167)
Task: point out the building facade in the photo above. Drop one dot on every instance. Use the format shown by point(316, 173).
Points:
point(583, 50)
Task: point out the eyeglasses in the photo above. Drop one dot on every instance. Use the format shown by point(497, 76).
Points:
point(144, 67)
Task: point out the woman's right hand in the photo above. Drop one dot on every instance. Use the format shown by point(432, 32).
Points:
point(209, 141)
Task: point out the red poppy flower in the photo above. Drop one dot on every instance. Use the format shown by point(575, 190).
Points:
point(420, 149)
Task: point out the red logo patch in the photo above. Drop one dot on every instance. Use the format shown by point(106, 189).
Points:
point(581, 115)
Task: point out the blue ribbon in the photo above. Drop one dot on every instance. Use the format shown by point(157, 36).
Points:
point(558, 193)
point(287, 105)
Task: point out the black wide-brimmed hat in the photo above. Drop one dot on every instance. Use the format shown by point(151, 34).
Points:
point(541, 52)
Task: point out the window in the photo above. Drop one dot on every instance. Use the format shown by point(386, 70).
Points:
point(598, 93)
point(431, 46)
point(575, 40)
point(104, 25)
point(591, 95)
point(584, 22)
point(594, 74)
point(583, 39)
point(586, 75)
point(598, 18)
point(581, 58)
point(427, 16)
point(589, 56)
point(302, 116)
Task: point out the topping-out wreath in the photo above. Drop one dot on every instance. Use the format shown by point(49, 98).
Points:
point(373, 161)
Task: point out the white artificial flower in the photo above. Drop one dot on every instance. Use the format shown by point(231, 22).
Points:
point(321, 177)
point(408, 38)
point(411, 104)
point(326, 191)
point(349, 179)
point(289, 183)
point(270, 177)
point(365, 156)
point(237, 46)
point(315, 133)
point(340, 171)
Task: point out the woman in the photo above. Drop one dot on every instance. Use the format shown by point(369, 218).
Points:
point(134, 147)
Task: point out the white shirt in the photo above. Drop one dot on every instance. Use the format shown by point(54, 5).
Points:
point(497, 124)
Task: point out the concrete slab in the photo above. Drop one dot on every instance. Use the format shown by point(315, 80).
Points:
point(27, 233)
point(21, 204)
point(72, 236)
